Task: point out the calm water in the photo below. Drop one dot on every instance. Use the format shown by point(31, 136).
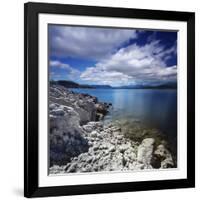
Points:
point(154, 108)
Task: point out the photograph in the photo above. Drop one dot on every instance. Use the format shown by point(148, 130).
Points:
point(112, 99)
point(109, 99)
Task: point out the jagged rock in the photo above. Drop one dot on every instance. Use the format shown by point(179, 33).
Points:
point(112, 148)
point(95, 147)
point(72, 168)
point(88, 128)
point(91, 126)
point(65, 143)
point(99, 116)
point(102, 108)
point(145, 151)
point(124, 147)
point(67, 112)
point(164, 156)
point(130, 155)
point(86, 111)
point(94, 134)
point(105, 156)
point(56, 169)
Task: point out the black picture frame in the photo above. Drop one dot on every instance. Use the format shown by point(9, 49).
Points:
point(31, 12)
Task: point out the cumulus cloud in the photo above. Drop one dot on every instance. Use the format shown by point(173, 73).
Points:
point(67, 71)
point(58, 64)
point(96, 75)
point(134, 64)
point(85, 42)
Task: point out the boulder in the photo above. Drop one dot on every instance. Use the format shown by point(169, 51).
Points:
point(86, 111)
point(164, 156)
point(66, 134)
point(145, 151)
point(102, 108)
point(68, 111)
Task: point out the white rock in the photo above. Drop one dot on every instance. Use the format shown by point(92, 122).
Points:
point(145, 151)
point(112, 148)
point(94, 134)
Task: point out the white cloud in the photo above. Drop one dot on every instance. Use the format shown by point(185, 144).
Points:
point(56, 63)
point(103, 77)
point(134, 64)
point(69, 72)
point(85, 42)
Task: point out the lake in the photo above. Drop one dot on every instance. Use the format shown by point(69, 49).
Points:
point(155, 108)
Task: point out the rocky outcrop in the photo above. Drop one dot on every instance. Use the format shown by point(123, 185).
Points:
point(164, 156)
point(145, 152)
point(68, 111)
point(66, 139)
point(80, 143)
point(109, 150)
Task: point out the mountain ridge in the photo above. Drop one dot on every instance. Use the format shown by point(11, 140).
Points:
point(72, 84)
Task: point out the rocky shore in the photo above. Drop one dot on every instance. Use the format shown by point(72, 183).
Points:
point(81, 142)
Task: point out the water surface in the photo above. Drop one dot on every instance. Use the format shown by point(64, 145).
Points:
point(155, 108)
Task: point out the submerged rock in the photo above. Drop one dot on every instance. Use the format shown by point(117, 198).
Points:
point(160, 158)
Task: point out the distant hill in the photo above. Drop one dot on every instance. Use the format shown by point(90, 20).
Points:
point(167, 86)
point(101, 86)
point(161, 86)
point(71, 84)
point(67, 84)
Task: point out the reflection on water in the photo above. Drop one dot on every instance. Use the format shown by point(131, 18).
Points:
point(154, 108)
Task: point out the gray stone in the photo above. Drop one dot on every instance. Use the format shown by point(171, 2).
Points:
point(94, 134)
point(165, 157)
point(72, 168)
point(145, 151)
point(112, 148)
point(123, 148)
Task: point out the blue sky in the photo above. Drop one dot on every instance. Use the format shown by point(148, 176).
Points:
point(91, 55)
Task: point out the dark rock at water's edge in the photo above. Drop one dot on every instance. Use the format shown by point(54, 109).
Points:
point(68, 111)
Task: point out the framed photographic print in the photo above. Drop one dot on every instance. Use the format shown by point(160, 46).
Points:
point(109, 99)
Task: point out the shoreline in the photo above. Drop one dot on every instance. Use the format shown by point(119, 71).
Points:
point(80, 142)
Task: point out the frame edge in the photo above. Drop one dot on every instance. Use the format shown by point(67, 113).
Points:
point(31, 188)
